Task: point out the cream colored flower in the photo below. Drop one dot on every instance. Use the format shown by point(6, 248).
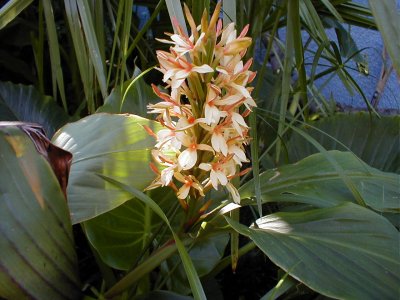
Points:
point(204, 124)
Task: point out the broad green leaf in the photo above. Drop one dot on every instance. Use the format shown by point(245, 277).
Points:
point(386, 16)
point(11, 9)
point(315, 181)
point(38, 259)
point(110, 145)
point(129, 227)
point(24, 103)
point(343, 252)
point(190, 270)
point(375, 140)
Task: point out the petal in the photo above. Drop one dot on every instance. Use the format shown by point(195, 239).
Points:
point(222, 178)
point(166, 176)
point(214, 179)
point(179, 41)
point(234, 192)
point(203, 69)
point(239, 119)
point(169, 74)
point(205, 167)
point(239, 155)
point(205, 147)
point(183, 192)
point(187, 159)
point(219, 144)
point(241, 89)
point(229, 100)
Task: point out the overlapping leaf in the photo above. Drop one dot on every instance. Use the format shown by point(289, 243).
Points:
point(111, 145)
point(24, 103)
point(37, 258)
point(315, 181)
point(375, 141)
point(344, 252)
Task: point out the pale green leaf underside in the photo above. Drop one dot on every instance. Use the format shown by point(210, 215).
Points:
point(109, 145)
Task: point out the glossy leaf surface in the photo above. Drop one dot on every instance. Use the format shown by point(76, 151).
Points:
point(111, 145)
point(344, 252)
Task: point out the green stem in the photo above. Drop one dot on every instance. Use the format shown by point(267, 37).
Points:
point(144, 268)
point(225, 262)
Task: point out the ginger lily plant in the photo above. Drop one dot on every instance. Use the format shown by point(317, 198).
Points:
point(202, 143)
point(316, 233)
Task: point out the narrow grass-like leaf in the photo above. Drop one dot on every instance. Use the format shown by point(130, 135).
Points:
point(176, 13)
point(54, 49)
point(198, 7)
point(283, 285)
point(332, 10)
point(287, 72)
point(386, 16)
point(82, 57)
point(11, 9)
point(94, 51)
point(146, 26)
point(125, 35)
point(229, 11)
point(375, 140)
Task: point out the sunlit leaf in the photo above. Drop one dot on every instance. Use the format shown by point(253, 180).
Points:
point(37, 258)
point(11, 9)
point(104, 144)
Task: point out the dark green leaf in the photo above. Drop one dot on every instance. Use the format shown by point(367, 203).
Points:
point(163, 295)
point(37, 258)
point(205, 254)
point(24, 103)
point(315, 181)
point(375, 140)
point(129, 227)
point(344, 252)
